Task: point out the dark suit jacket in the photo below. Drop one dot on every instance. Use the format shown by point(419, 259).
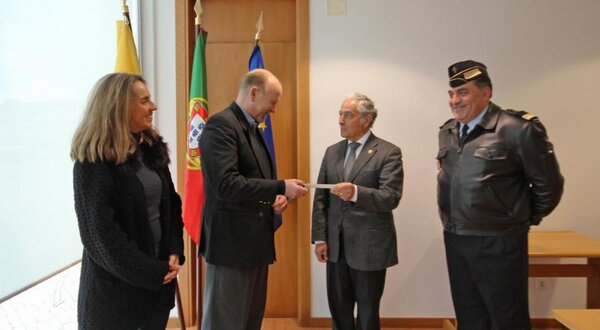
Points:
point(239, 187)
point(367, 225)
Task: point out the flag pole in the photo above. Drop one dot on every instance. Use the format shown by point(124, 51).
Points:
point(259, 27)
point(127, 57)
point(198, 20)
point(125, 9)
point(199, 289)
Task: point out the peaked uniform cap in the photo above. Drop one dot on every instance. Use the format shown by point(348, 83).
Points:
point(461, 73)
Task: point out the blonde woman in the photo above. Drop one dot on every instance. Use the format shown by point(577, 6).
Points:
point(128, 212)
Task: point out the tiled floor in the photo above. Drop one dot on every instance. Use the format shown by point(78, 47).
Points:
point(51, 305)
point(290, 324)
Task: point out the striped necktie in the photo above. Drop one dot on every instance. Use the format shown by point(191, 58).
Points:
point(350, 159)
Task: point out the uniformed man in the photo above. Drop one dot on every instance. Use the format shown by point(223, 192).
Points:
point(498, 176)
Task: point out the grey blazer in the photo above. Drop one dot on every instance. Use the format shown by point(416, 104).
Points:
point(368, 225)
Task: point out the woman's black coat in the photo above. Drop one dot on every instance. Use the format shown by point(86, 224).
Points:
point(121, 279)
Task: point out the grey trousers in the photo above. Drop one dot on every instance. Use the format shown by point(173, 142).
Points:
point(234, 298)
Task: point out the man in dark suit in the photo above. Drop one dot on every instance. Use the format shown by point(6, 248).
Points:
point(352, 224)
point(243, 197)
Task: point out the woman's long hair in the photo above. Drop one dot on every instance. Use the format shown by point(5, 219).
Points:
point(103, 132)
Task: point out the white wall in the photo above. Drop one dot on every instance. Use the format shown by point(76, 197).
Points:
point(158, 65)
point(51, 55)
point(543, 56)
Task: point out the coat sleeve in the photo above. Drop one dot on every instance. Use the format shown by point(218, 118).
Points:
point(320, 206)
point(103, 239)
point(386, 196)
point(221, 152)
point(541, 169)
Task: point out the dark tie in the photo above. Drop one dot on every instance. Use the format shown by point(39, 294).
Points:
point(350, 159)
point(463, 135)
point(262, 151)
point(257, 130)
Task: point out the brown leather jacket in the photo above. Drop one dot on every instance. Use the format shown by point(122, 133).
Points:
point(502, 180)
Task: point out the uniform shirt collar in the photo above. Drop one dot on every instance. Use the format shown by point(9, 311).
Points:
point(475, 121)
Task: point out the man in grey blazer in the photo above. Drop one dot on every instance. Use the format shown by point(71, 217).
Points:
point(352, 224)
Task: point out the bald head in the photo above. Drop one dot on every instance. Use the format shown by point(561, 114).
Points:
point(259, 93)
point(257, 78)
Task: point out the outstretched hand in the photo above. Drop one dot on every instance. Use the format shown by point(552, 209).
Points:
point(295, 188)
point(344, 190)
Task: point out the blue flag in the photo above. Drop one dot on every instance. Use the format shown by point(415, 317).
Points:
point(256, 62)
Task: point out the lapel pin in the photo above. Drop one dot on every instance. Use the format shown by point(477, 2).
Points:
point(370, 151)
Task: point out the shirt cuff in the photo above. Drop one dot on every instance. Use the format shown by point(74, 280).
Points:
point(355, 196)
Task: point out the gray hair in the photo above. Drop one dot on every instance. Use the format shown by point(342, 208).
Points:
point(365, 106)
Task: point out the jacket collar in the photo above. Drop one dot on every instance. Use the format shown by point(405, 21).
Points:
point(254, 142)
point(490, 119)
point(239, 114)
point(488, 122)
point(368, 151)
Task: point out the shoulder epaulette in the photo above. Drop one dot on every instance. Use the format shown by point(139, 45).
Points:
point(447, 121)
point(523, 114)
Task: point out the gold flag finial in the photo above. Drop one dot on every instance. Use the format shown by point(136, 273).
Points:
point(124, 6)
point(259, 26)
point(198, 10)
